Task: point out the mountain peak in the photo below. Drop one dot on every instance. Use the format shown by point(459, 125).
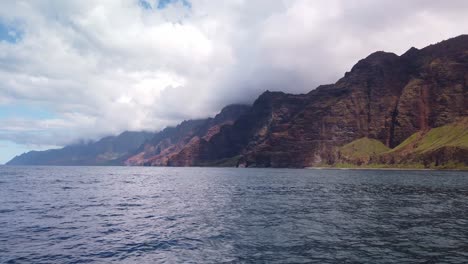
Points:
point(378, 58)
point(411, 52)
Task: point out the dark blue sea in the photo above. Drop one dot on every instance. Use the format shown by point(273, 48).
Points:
point(218, 215)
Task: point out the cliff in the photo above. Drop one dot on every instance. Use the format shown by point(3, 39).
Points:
point(384, 97)
point(383, 100)
point(179, 146)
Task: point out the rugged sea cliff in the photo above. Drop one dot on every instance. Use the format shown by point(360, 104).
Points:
point(388, 111)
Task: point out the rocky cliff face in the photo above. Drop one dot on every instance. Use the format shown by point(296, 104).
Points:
point(384, 97)
point(179, 146)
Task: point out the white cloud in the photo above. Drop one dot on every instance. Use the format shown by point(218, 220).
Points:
point(107, 66)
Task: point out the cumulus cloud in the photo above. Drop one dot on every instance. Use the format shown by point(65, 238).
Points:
point(105, 66)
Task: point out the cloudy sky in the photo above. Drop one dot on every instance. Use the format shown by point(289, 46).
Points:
point(81, 69)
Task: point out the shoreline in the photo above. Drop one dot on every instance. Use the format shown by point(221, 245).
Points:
point(391, 169)
point(219, 167)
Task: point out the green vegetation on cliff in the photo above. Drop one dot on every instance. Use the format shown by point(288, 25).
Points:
point(453, 135)
point(361, 150)
point(444, 147)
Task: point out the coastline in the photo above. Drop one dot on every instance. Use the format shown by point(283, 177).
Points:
point(387, 169)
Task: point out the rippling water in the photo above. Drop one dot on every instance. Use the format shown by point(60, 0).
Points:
point(206, 215)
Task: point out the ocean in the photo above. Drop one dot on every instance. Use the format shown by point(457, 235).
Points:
point(228, 215)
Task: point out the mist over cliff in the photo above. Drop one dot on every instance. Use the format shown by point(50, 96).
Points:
point(384, 100)
point(81, 70)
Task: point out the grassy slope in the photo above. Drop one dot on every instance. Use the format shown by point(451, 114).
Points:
point(361, 150)
point(410, 153)
point(454, 135)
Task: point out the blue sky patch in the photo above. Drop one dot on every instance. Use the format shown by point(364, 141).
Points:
point(9, 33)
point(24, 111)
point(144, 4)
point(164, 3)
point(161, 4)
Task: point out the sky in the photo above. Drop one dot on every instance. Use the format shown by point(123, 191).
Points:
point(82, 69)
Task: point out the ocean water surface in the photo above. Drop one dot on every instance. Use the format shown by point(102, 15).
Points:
point(219, 215)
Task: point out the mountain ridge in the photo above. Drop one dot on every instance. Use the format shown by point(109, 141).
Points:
point(110, 150)
point(384, 97)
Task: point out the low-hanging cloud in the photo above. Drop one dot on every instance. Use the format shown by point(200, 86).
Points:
point(102, 67)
